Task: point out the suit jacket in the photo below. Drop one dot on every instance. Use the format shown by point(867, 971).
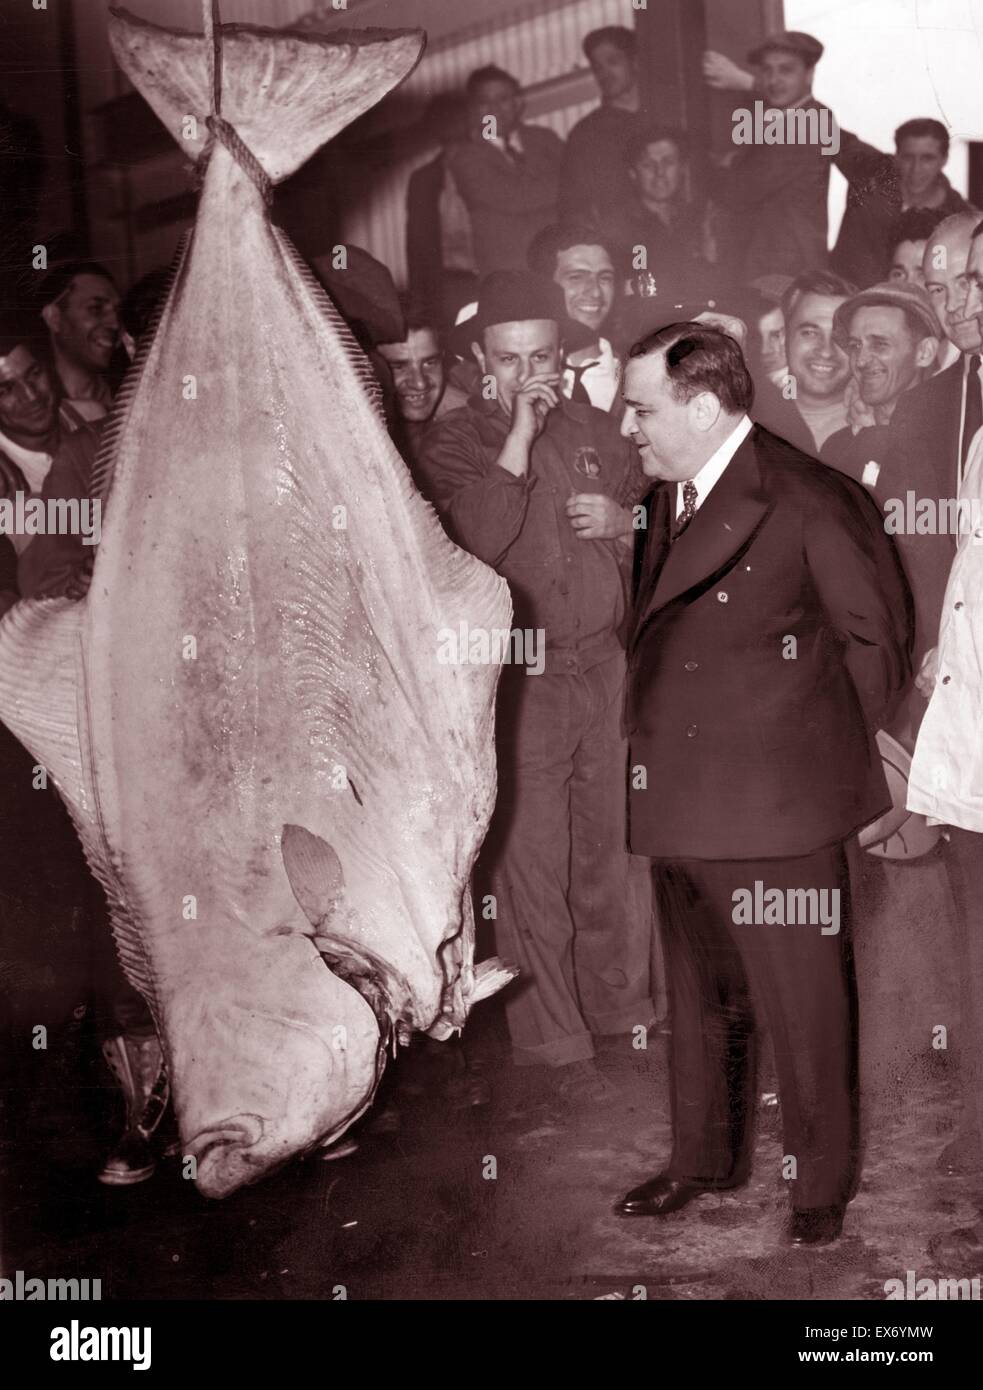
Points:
point(921, 455)
point(509, 201)
point(757, 746)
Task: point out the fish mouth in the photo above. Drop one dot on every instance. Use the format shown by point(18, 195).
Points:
point(384, 989)
point(225, 1156)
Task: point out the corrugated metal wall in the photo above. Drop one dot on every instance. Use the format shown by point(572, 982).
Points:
point(539, 48)
point(537, 40)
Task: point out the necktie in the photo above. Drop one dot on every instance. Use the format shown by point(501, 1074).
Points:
point(974, 404)
point(689, 509)
point(578, 391)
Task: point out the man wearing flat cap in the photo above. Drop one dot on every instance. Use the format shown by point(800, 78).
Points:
point(890, 334)
point(541, 488)
point(774, 194)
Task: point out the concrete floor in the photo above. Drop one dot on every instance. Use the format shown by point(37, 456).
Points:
point(413, 1215)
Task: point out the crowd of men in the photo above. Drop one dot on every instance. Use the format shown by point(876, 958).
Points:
point(596, 333)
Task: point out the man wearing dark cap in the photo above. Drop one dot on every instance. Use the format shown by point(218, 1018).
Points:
point(890, 335)
point(540, 488)
point(595, 174)
point(79, 304)
point(775, 194)
point(882, 186)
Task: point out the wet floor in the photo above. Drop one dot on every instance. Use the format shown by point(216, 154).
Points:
point(512, 1199)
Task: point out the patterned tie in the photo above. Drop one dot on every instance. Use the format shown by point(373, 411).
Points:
point(689, 509)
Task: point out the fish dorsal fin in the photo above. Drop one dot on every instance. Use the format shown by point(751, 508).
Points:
point(314, 871)
point(285, 93)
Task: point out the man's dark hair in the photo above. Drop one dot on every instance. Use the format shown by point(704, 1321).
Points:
point(815, 282)
point(977, 231)
point(922, 125)
point(547, 245)
point(698, 358)
point(914, 224)
point(19, 327)
point(639, 143)
point(616, 35)
point(489, 73)
point(60, 278)
point(418, 314)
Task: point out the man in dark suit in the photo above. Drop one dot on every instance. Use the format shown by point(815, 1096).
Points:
point(770, 641)
point(507, 173)
point(933, 426)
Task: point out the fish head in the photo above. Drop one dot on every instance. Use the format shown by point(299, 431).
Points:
point(255, 1083)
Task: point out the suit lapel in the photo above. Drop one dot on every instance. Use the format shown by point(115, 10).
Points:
point(653, 546)
point(723, 525)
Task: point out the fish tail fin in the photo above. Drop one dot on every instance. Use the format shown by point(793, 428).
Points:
point(284, 93)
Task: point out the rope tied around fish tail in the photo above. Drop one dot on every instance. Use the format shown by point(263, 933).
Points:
point(218, 127)
point(228, 136)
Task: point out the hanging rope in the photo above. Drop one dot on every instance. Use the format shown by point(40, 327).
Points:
point(218, 127)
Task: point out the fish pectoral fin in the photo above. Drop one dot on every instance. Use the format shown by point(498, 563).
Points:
point(315, 873)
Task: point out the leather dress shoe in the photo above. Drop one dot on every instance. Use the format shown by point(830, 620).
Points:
point(662, 1195)
point(815, 1225)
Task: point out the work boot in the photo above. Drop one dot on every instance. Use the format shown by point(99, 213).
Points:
point(138, 1065)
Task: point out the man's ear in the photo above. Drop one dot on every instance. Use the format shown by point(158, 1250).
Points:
point(479, 356)
point(520, 109)
point(52, 317)
point(926, 351)
point(707, 410)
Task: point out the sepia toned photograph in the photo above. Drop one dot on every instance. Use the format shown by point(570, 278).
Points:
point(491, 678)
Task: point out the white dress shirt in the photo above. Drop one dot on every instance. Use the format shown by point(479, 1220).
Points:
point(601, 381)
point(35, 464)
point(946, 782)
point(713, 469)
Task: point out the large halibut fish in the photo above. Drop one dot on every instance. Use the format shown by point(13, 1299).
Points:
point(281, 787)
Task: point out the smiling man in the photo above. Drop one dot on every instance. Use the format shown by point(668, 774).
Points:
point(811, 405)
point(419, 380)
point(539, 487)
point(769, 642)
point(574, 257)
point(660, 214)
point(776, 194)
point(882, 187)
point(890, 335)
point(80, 305)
